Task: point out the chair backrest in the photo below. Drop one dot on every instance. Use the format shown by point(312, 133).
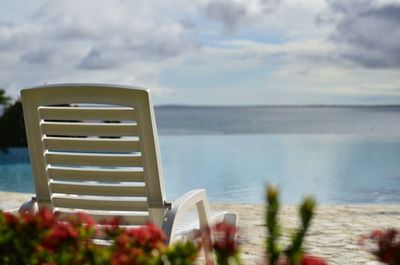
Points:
point(95, 148)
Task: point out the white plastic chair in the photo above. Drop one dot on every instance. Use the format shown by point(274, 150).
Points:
point(94, 148)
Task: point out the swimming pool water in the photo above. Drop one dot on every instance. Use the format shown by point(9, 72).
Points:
point(335, 168)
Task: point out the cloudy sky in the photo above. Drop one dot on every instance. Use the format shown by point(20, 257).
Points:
point(227, 52)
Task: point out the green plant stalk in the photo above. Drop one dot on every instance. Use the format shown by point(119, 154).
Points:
point(295, 251)
point(273, 250)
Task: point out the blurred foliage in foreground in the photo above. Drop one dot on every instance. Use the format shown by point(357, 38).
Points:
point(40, 238)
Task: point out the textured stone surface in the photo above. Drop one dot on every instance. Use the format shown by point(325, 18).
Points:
point(10, 200)
point(334, 233)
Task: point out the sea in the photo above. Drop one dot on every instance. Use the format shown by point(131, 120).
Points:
point(338, 154)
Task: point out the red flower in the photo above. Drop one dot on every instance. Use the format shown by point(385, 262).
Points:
point(224, 238)
point(388, 245)
point(134, 245)
point(43, 219)
point(129, 257)
point(59, 234)
point(113, 222)
point(46, 218)
point(10, 219)
point(305, 260)
point(111, 227)
point(79, 218)
point(311, 260)
point(148, 237)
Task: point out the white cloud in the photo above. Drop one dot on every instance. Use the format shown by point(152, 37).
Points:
point(187, 51)
point(101, 41)
point(368, 32)
point(234, 15)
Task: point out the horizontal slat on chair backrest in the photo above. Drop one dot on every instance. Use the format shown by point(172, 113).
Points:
point(100, 204)
point(88, 129)
point(85, 174)
point(93, 159)
point(84, 188)
point(135, 218)
point(86, 113)
point(91, 144)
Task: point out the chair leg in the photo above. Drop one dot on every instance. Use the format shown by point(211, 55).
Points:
point(232, 219)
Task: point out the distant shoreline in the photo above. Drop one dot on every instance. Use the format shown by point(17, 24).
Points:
point(183, 106)
point(277, 106)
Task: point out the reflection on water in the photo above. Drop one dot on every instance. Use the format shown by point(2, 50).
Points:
point(235, 168)
point(335, 168)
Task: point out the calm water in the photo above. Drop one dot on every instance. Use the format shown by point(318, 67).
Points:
point(341, 155)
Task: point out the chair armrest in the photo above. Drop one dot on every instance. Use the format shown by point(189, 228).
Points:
point(183, 204)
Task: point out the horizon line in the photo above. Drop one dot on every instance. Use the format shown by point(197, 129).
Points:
point(276, 106)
